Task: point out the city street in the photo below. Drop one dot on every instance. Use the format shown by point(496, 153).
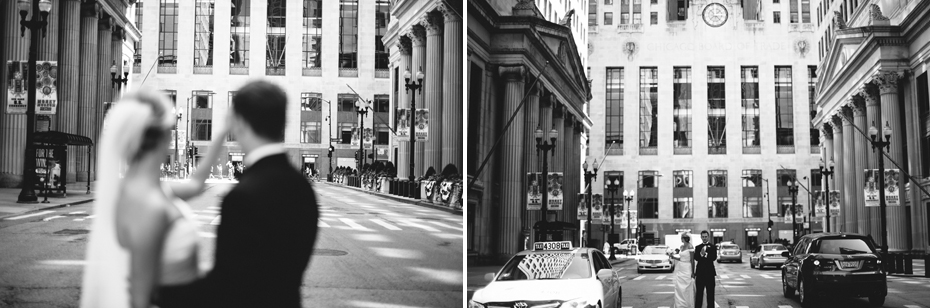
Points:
point(370, 252)
point(739, 286)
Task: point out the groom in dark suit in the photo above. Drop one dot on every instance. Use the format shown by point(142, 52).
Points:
point(704, 255)
point(268, 224)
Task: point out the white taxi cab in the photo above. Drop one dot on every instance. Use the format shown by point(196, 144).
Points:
point(553, 274)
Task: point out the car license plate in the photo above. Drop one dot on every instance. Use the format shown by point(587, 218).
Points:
point(848, 264)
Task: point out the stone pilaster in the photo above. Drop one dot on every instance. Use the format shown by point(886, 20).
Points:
point(68, 78)
point(862, 149)
point(13, 134)
point(531, 158)
point(452, 89)
point(88, 83)
point(432, 90)
point(577, 180)
point(48, 51)
point(103, 84)
point(116, 53)
point(512, 174)
point(569, 184)
point(417, 37)
point(403, 103)
point(873, 118)
point(852, 198)
point(836, 223)
point(898, 225)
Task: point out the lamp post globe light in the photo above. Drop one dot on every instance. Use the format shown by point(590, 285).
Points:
point(793, 190)
point(589, 176)
point(628, 197)
point(36, 23)
point(827, 171)
point(361, 108)
point(613, 184)
point(882, 145)
point(414, 86)
point(118, 82)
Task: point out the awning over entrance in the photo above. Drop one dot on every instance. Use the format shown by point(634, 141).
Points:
point(60, 138)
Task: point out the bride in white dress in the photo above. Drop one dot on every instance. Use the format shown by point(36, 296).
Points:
point(684, 274)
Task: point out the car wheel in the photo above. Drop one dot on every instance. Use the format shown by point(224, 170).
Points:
point(788, 291)
point(877, 300)
point(752, 265)
point(804, 292)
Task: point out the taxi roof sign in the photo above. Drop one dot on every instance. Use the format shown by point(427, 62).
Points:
point(552, 245)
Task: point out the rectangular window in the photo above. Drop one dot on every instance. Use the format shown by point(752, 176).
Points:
point(276, 37)
point(716, 178)
point(653, 18)
point(203, 33)
point(202, 99)
point(648, 179)
point(311, 101)
point(592, 13)
point(230, 136)
point(345, 132)
point(168, 32)
point(750, 104)
point(609, 196)
point(752, 207)
point(608, 2)
point(637, 12)
point(203, 129)
point(717, 207)
point(716, 111)
point(777, 17)
point(348, 33)
point(784, 198)
point(608, 18)
point(173, 96)
point(381, 103)
point(313, 33)
point(682, 178)
point(648, 194)
point(648, 108)
point(382, 18)
point(752, 193)
point(383, 134)
point(637, 18)
point(624, 18)
point(812, 104)
point(681, 111)
point(751, 9)
point(793, 6)
point(239, 29)
point(345, 102)
point(137, 58)
point(684, 207)
point(648, 207)
point(310, 132)
point(614, 113)
point(784, 109)
point(806, 11)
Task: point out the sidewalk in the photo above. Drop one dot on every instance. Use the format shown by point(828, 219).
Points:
point(398, 198)
point(77, 194)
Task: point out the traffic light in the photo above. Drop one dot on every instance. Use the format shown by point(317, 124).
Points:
point(771, 224)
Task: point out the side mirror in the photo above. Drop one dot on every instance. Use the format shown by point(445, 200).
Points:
point(489, 277)
point(605, 274)
point(785, 254)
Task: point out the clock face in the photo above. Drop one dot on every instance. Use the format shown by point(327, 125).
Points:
point(715, 14)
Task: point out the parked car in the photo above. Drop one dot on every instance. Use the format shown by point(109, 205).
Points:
point(836, 264)
point(729, 253)
point(767, 255)
point(654, 258)
point(552, 274)
point(625, 247)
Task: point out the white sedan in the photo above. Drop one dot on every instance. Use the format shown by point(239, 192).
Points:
point(654, 258)
point(553, 274)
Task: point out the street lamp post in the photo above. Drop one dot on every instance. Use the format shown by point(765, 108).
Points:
point(38, 21)
point(418, 85)
point(177, 137)
point(628, 197)
point(589, 177)
point(883, 145)
point(361, 108)
point(331, 149)
point(793, 190)
point(118, 82)
point(545, 147)
point(613, 184)
point(827, 171)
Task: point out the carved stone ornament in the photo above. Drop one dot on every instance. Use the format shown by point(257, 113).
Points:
point(838, 20)
point(403, 46)
point(857, 105)
point(447, 12)
point(417, 36)
point(630, 49)
point(876, 12)
point(567, 20)
point(801, 47)
point(512, 73)
point(887, 81)
point(431, 23)
point(836, 120)
point(526, 8)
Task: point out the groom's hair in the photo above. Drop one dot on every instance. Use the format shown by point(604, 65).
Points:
point(705, 231)
point(264, 106)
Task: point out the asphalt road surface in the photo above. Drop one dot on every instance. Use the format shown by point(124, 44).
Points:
point(370, 252)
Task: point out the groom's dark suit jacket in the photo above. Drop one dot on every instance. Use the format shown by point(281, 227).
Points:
point(268, 227)
point(705, 265)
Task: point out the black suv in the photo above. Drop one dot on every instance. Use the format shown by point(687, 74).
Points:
point(843, 264)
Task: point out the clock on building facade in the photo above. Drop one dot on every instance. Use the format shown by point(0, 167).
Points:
point(715, 14)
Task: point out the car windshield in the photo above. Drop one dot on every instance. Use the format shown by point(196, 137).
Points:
point(549, 265)
point(732, 247)
point(655, 250)
point(842, 246)
point(773, 247)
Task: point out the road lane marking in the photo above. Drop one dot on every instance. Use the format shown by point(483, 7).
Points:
point(445, 225)
point(52, 217)
point(413, 224)
point(30, 215)
point(766, 276)
point(91, 216)
point(745, 276)
point(639, 277)
point(63, 262)
point(385, 224)
point(322, 224)
point(354, 225)
point(746, 295)
point(784, 306)
point(911, 306)
point(724, 277)
point(213, 207)
point(209, 211)
point(664, 292)
point(742, 306)
point(78, 212)
point(206, 234)
point(660, 277)
point(331, 214)
point(216, 221)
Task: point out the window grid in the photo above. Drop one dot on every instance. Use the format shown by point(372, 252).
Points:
point(137, 58)
point(653, 18)
point(382, 18)
point(230, 136)
point(168, 32)
point(276, 37)
point(203, 33)
point(310, 132)
point(683, 178)
point(776, 18)
point(648, 179)
point(717, 207)
point(812, 104)
point(311, 101)
point(793, 16)
point(202, 99)
point(752, 207)
point(649, 207)
point(614, 112)
point(684, 207)
point(203, 129)
point(681, 111)
point(381, 103)
point(348, 34)
point(806, 11)
point(752, 178)
point(313, 34)
point(784, 109)
point(608, 18)
point(240, 35)
point(648, 107)
point(592, 13)
point(716, 111)
point(716, 178)
point(750, 102)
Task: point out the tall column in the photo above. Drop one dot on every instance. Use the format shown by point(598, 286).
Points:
point(577, 178)
point(88, 83)
point(48, 51)
point(432, 90)
point(531, 158)
point(116, 54)
point(557, 161)
point(102, 80)
point(417, 37)
point(853, 199)
point(403, 103)
point(862, 149)
point(898, 224)
point(569, 165)
point(918, 209)
point(68, 80)
point(836, 223)
point(511, 174)
point(452, 89)
point(12, 126)
point(873, 118)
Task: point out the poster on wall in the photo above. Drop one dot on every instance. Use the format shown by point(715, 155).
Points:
point(534, 191)
point(16, 87)
point(555, 191)
point(403, 125)
point(820, 208)
point(582, 207)
point(834, 203)
point(597, 205)
point(422, 122)
point(871, 187)
point(46, 91)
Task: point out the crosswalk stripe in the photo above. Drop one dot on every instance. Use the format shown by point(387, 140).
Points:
point(724, 277)
point(322, 224)
point(640, 277)
point(354, 225)
point(30, 215)
point(52, 217)
point(745, 276)
point(766, 276)
point(385, 224)
point(413, 224)
point(216, 221)
point(91, 216)
point(784, 306)
point(78, 212)
point(911, 306)
point(445, 225)
point(206, 234)
point(660, 277)
point(331, 214)
point(742, 306)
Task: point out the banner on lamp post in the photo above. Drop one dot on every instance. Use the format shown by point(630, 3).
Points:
point(820, 208)
point(623, 219)
point(834, 203)
point(597, 205)
point(46, 91)
point(555, 191)
point(871, 187)
point(534, 191)
point(403, 125)
point(892, 191)
point(582, 207)
point(422, 123)
point(367, 137)
point(16, 87)
point(355, 136)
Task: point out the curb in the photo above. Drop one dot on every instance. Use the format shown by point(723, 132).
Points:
point(398, 198)
point(50, 207)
